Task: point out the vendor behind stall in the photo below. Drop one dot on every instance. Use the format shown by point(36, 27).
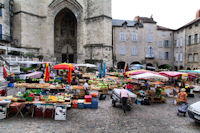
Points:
point(86, 87)
point(129, 86)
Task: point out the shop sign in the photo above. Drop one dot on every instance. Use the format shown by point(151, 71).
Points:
point(60, 112)
point(2, 112)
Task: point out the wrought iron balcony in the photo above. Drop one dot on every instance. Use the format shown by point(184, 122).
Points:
point(149, 57)
point(5, 38)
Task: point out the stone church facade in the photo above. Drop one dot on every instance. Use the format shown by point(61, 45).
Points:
point(75, 31)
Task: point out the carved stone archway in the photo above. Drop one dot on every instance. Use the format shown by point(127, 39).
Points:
point(54, 8)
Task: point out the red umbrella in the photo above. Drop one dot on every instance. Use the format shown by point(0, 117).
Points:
point(47, 74)
point(5, 74)
point(69, 79)
point(63, 66)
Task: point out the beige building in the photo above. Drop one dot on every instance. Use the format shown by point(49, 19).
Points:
point(142, 41)
point(179, 49)
point(75, 31)
point(192, 32)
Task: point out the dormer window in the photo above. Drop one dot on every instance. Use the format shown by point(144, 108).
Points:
point(124, 25)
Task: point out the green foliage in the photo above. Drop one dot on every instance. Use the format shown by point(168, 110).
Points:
point(26, 69)
point(31, 55)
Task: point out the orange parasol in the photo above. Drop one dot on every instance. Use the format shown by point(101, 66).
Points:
point(47, 74)
point(69, 79)
point(5, 74)
point(63, 66)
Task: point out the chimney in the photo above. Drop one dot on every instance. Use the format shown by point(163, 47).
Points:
point(151, 17)
point(137, 18)
point(198, 14)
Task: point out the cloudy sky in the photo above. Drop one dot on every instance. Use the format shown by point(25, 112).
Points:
point(169, 13)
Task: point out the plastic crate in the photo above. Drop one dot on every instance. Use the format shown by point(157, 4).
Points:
point(81, 105)
point(87, 105)
point(38, 112)
point(11, 85)
point(94, 99)
point(88, 98)
point(94, 106)
point(94, 103)
point(48, 113)
point(75, 104)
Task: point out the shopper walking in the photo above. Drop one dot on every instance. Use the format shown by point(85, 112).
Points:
point(124, 98)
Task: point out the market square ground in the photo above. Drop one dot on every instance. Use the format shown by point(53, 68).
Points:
point(155, 118)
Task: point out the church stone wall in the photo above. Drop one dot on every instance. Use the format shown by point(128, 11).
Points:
point(34, 25)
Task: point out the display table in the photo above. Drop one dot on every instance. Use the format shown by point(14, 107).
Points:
point(20, 105)
point(39, 86)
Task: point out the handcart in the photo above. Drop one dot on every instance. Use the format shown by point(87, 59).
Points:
point(117, 100)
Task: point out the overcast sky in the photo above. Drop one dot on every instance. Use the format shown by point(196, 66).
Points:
point(169, 13)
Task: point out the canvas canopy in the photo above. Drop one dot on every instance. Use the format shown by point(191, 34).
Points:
point(148, 76)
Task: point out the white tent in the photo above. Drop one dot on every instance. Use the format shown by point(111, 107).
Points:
point(147, 76)
point(85, 65)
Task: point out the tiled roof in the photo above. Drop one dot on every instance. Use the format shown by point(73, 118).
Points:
point(190, 23)
point(163, 28)
point(147, 20)
point(118, 22)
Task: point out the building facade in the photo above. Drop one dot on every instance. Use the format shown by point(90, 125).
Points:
point(75, 31)
point(83, 31)
point(6, 19)
point(179, 49)
point(142, 41)
point(192, 32)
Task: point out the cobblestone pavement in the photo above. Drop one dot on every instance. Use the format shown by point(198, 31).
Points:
point(156, 118)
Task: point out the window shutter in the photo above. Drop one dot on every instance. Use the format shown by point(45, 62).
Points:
point(169, 55)
point(169, 43)
point(149, 52)
point(0, 11)
point(134, 37)
point(181, 57)
point(0, 31)
point(181, 42)
point(160, 55)
point(197, 38)
point(177, 43)
point(149, 38)
point(152, 52)
point(192, 37)
point(176, 57)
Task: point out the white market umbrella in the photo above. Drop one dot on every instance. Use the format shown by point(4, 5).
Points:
point(147, 76)
point(85, 65)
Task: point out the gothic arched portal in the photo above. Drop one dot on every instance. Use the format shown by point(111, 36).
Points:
point(65, 34)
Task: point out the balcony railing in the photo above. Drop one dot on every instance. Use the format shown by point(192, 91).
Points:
point(5, 38)
point(149, 57)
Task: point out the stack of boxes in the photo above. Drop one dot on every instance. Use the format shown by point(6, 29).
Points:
point(75, 104)
point(94, 103)
point(81, 104)
point(89, 102)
